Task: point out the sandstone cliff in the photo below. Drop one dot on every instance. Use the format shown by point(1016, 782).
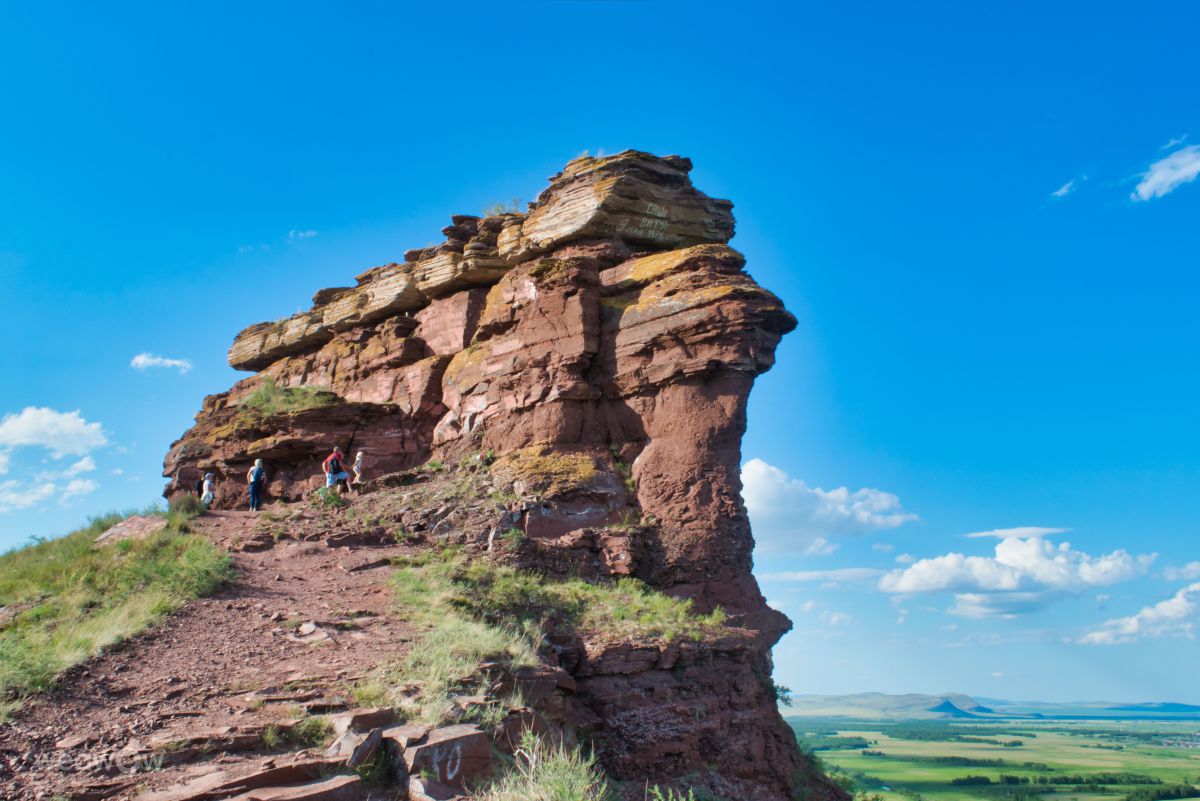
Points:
point(593, 356)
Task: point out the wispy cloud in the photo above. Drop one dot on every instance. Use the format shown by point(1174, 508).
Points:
point(850, 574)
point(295, 234)
point(1168, 174)
point(146, 361)
point(790, 516)
point(16, 495)
point(1188, 572)
point(1174, 617)
point(836, 618)
point(821, 547)
point(1065, 189)
point(1173, 141)
point(1019, 531)
point(77, 487)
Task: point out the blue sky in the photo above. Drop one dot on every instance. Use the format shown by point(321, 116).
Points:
point(983, 218)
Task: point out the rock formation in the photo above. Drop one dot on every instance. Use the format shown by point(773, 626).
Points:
point(600, 348)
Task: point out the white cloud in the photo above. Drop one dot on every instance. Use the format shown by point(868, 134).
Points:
point(1019, 531)
point(85, 465)
point(809, 606)
point(787, 514)
point(905, 559)
point(1007, 605)
point(294, 234)
point(837, 574)
point(1174, 617)
point(77, 487)
point(144, 361)
point(998, 674)
point(1025, 574)
point(23, 494)
point(777, 605)
point(821, 547)
point(1188, 572)
point(1020, 563)
point(883, 547)
point(3, 462)
point(61, 433)
point(1065, 189)
point(836, 618)
point(1169, 173)
point(1174, 140)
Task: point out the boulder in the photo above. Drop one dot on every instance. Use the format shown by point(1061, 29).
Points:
point(137, 527)
point(451, 755)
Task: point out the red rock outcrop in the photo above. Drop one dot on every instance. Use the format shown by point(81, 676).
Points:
point(609, 332)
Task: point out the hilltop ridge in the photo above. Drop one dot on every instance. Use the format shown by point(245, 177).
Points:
point(551, 405)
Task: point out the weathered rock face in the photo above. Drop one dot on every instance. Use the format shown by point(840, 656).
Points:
point(609, 326)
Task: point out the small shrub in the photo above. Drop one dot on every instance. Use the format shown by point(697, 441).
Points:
point(544, 772)
point(513, 537)
point(327, 498)
point(497, 207)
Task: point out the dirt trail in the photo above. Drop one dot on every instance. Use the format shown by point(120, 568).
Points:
point(301, 621)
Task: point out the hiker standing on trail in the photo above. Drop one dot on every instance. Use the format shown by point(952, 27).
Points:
point(255, 479)
point(334, 467)
point(210, 491)
point(359, 467)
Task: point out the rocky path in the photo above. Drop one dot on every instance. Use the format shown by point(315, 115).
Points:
point(300, 623)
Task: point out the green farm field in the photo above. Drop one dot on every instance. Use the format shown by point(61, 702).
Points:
point(1008, 760)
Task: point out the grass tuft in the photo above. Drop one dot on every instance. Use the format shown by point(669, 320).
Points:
point(269, 398)
point(544, 772)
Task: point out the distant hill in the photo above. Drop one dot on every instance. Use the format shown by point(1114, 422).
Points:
point(881, 706)
point(948, 709)
point(958, 706)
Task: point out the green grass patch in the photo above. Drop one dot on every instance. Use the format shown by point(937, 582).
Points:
point(478, 611)
point(78, 599)
point(269, 398)
point(433, 583)
point(544, 772)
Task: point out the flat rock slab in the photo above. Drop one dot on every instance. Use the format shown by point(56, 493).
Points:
point(451, 755)
point(337, 788)
point(223, 784)
point(138, 527)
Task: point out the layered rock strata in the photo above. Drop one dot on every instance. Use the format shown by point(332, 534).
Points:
point(609, 337)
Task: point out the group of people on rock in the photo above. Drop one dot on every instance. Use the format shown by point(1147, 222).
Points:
point(337, 479)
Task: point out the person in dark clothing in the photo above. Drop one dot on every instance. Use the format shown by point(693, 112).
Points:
point(255, 479)
point(334, 468)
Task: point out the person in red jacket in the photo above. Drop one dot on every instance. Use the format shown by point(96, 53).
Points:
point(335, 468)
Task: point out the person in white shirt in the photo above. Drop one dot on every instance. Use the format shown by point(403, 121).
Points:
point(210, 490)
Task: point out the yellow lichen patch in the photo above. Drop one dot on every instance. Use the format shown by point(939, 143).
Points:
point(467, 361)
point(545, 471)
point(640, 272)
